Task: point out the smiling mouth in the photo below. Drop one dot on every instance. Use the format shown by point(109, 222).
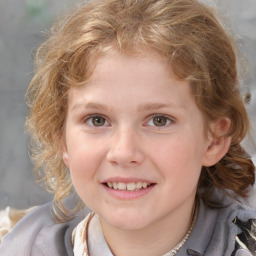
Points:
point(131, 186)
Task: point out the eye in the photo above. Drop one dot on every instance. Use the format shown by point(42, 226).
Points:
point(97, 121)
point(159, 121)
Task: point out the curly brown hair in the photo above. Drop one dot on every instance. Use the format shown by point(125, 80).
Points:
point(186, 32)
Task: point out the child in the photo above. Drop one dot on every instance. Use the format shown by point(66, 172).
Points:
point(136, 105)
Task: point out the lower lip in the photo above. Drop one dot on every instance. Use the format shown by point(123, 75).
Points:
point(128, 195)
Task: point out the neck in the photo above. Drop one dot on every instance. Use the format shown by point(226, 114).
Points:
point(156, 239)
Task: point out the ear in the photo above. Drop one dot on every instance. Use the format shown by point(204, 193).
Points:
point(218, 142)
point(61, 139)
point(65, 156)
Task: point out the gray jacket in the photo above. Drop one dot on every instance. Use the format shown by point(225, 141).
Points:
point(217, 232)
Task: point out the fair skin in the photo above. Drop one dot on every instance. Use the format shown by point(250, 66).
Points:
point(133, 125)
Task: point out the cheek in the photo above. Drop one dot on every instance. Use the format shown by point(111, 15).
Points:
point(180, 156)
point(84, 159)
point(181, 168)
point(84, 166)
point(86, 156)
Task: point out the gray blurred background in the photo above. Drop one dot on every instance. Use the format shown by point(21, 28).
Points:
point(22, 26)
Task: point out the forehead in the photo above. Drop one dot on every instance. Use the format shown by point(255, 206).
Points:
point(145, 79)
point(114, 63)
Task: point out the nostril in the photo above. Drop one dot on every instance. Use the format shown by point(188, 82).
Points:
point(124, 156)
point(113, 162)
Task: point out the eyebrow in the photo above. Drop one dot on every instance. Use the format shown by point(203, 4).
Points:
point(90, 105)
point(143, 107)
point(157, 106)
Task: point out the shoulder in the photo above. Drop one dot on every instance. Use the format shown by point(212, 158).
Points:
point(38, 234)
point(235, 228)
point(223, 231)
point(245, 221)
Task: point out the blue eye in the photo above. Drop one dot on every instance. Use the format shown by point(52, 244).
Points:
point(159, 121)
point(97, 121)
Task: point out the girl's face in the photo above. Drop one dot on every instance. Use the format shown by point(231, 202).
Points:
point(135, 142)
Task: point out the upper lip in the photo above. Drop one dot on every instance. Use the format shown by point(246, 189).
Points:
point(126, 180)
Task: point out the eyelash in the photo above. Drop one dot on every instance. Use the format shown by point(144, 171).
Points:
point(169, 120)
point(90, 117)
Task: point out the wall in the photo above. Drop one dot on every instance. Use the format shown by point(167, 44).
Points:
point(21, 31)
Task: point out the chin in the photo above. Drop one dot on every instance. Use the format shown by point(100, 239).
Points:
point(128, 225)
point(128, 221)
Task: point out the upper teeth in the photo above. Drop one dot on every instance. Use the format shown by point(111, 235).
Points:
point(127, 186)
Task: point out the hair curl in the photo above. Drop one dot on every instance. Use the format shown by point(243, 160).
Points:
point(186, 32)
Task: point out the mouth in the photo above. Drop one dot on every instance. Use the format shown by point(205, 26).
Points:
point(131, 186)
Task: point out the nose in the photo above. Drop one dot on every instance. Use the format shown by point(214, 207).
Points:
point(124, 149)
